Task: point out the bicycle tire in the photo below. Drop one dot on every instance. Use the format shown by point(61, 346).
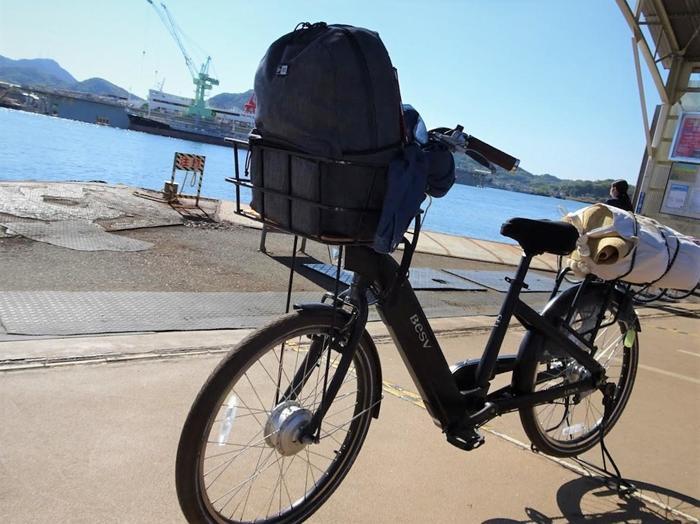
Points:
point(216, 499)
point(552, 427)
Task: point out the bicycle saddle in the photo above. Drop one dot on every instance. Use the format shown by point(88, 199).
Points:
point(541, 236)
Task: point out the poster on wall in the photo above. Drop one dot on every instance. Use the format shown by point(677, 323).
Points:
point(682, 196)
point(686, 142)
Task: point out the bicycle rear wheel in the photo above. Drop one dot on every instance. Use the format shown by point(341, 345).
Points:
point(239, 457)
point(571, 425)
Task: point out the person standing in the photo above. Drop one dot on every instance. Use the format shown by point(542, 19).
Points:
point(620, 198)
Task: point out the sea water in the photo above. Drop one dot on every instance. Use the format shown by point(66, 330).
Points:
point(43, 148)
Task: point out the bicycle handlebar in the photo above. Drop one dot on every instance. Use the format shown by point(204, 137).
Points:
point(464, 143)
point(492, 154)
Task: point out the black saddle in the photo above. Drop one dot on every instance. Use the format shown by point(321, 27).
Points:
point(541, 236)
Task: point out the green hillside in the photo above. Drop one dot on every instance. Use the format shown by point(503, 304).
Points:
point(230, 101)
point(471, 173)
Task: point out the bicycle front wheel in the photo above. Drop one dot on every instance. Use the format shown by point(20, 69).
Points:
point(571, 425)
point(240, 458)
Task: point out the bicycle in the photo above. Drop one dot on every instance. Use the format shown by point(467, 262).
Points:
point(280, 421)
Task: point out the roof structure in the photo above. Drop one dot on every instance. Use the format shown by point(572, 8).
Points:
point(675, 25)
point(666, 36)
point(667, 33)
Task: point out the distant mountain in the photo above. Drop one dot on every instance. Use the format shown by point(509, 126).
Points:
point(230, 101)
point(36, 71)
point(470, 172)
point(100, 86)
point(44, 72)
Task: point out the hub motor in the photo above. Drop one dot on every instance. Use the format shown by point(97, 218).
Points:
point(284, 426)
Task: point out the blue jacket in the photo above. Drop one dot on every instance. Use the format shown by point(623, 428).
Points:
point(407, 180)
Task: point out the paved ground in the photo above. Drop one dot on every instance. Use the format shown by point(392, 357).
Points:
point(196, 259)
point(199, 257)
point(182, 259)
point(96, 443)
point(190, 258)
point(92, 423)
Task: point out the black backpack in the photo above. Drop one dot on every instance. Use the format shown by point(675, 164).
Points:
point(329, 120)
point(329, 90)
point(329, 123)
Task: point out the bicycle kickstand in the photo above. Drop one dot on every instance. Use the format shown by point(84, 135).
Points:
point(623, 487)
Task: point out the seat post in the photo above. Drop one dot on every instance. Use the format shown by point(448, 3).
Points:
point(487, 365)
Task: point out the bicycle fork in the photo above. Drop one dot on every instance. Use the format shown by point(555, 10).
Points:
point(340, 339)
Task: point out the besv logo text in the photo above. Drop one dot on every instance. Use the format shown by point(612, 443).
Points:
point(420, 330)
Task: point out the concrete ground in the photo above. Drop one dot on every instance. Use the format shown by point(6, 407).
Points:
point(197, 258)
point(91, 424)
point(184, 258)
point(96, 443)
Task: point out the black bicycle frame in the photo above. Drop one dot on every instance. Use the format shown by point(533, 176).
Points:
point(448, 402)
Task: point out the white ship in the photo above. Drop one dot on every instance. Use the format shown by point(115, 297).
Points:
point(167, 115)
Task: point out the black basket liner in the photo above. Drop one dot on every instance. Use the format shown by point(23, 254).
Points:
point(331, 201)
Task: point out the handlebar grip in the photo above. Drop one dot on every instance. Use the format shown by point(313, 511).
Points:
point(496, 156)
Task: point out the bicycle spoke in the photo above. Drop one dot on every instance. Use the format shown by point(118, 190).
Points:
point(255, 391)
point(250, 481)
point(253, 476)
point(563, 427)
point(230, 461)
point(250, 469)
point(353, 418)
point(250, 487)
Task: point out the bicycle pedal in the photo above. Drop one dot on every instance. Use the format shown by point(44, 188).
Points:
point(465, 439)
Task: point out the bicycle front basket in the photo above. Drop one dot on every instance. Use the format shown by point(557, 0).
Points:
point(331, 201)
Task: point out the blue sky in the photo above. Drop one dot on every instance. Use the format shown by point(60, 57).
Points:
point(550, 81)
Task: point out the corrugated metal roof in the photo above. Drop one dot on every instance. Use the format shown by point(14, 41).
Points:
point(675, 28)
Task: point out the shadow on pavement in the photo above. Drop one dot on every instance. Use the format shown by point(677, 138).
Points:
point(587, 499)
point(677, 311)
point(317, 278)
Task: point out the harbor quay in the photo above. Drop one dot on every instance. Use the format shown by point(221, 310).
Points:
point(115, 306)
